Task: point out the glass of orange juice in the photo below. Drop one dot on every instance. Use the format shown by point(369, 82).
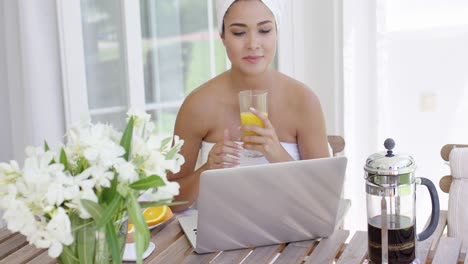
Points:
point(258, 100)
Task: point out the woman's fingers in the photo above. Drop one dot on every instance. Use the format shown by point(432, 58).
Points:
point(262, 116)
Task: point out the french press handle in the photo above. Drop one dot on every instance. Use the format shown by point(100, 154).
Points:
point(435, 209)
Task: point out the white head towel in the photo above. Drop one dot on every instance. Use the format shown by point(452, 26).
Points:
point(223, 5)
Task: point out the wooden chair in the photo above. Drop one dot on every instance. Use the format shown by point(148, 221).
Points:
point(337, 144)
point(446, 181)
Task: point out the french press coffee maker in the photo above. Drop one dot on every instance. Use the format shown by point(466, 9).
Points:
point(391, 207)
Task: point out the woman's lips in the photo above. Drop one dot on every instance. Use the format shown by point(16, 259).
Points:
point(253, 59)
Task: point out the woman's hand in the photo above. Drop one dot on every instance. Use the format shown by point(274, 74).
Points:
point(266, 141)
point(224, 154)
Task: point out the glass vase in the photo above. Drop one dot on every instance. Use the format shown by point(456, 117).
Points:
point(91, 244)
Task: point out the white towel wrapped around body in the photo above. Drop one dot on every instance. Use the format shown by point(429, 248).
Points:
point(222, 7)
point(457, 218)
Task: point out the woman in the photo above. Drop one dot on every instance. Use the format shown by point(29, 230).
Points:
point(209, 119)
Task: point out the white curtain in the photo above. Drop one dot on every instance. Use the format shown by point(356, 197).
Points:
point(31, 106)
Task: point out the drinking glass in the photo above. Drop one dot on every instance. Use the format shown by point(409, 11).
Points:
point(258, 100)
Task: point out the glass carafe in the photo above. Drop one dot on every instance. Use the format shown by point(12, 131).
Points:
point(391, 207)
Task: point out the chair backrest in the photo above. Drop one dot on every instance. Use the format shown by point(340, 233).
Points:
point(337, 144)
point(446, 181)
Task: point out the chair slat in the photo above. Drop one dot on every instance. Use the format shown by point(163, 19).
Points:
point(23, 255)
point(11, 245)
point(445, 151)
point(262, 254)
point(445, 183)
point(337, 143)
point(424, 247)
point(174, 253)
point(231, 256)
point(327, 249)
point(356, 250)
point(448, 250)
point(295, 252)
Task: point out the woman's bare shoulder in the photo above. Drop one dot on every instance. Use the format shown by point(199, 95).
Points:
point(297, 92)
point(201, 99)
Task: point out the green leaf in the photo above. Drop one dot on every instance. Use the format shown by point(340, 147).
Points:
point(85, 241)
point(109, 212)
point(109, 193)
point(46, 146)
point(147, 183)
point(67, 256)
point(172, 152)
point(126, 140)
point(113, 243)
point(64, 159)
point(94, 209)
point(142, 235)
point(139, 245)
point(159, 203)
point(165, 141)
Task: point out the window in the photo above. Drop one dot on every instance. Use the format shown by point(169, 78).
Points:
point(153, 63)
point(405, 78)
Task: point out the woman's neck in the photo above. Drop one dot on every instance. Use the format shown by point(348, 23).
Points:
point(241, 81)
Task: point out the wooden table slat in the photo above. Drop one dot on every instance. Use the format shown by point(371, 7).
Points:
point(327, 249)
point(43, 259)
point(174, 253)
point(22, 255)
point(5, 234)
point(448, 250)
point(295, 252)
point(195, 258)
point(262, 254)
point(231, 256)
point(424, 247)
point(163, 237)
point(11, 245)
point(356, 250)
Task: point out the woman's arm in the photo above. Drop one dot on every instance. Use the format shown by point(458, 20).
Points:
point(311, 133)
point(192, 125)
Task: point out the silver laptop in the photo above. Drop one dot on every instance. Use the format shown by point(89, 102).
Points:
point(266, 204)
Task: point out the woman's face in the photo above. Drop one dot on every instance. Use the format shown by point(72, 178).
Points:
point(250, 36)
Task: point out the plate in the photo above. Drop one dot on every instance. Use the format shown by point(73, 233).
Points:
point(130, 251)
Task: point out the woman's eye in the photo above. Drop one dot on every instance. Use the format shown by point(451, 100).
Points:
point(265, 31)
point(238, 33)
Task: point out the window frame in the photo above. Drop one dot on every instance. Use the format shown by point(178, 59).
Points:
point(69, 17)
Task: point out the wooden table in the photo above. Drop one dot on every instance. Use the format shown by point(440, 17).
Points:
point(173, 247)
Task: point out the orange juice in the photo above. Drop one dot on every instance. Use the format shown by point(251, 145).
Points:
point(249, 118)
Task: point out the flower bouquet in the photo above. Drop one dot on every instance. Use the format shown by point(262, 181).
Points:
point(76, 201)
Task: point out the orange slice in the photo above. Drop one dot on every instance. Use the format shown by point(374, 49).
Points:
point(130, 228)
point(155, 215)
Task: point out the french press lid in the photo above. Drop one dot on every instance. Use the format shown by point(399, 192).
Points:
point(389, 163)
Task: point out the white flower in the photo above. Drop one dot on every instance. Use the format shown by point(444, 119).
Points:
point(61, 189)
point(18, 216)
point(59, 231)
point(86, 192)
point(140, 116)
point(38, 171)
point(38, 198)
point(126, 172)
point(102, 176)
point(166, 192)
